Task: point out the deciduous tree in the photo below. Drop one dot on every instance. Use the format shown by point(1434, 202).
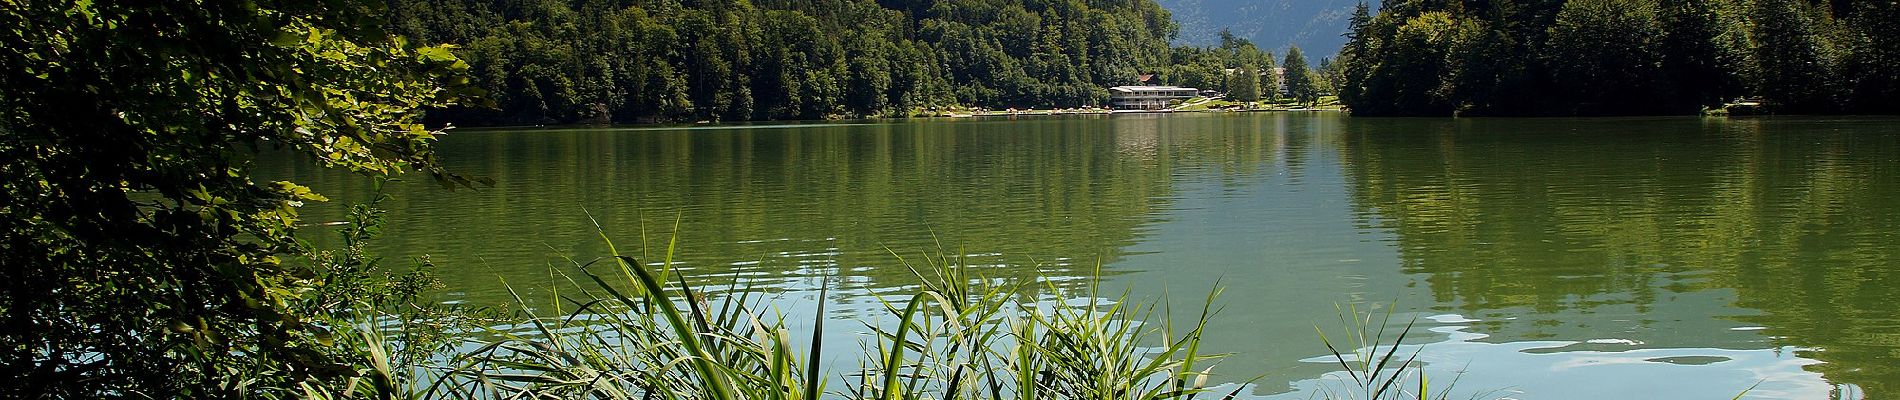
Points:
point(142, 257)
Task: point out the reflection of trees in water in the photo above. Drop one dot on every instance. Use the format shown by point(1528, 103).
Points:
point(781, 205)
point(776, 204)
point(1567, 216)
point(1826, 265)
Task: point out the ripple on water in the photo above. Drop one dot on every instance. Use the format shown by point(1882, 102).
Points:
point(1450, 319)
point(1562, 369)
point(1689, 360)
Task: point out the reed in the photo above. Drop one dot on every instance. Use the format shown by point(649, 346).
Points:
point(636, 330)
point(1376, 368)
point(630, 333)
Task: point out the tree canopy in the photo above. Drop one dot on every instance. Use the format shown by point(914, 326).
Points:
point(564, 61)
point(1300, 82)
point(142, 258)
point(1619, 57)
point(1232, 66)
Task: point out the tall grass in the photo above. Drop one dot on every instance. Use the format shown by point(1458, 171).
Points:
point(631, 333)
point(636, 330)
point(1375, 367)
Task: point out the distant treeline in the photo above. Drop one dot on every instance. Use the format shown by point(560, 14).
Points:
point(562, 61)
point(1620, 57)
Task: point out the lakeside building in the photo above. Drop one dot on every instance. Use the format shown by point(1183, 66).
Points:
point(1279, 82)
point(1147, 97)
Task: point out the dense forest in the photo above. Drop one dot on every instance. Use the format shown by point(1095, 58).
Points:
point(1620, 57)
point(564, 61)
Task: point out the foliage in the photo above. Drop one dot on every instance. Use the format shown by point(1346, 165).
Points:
point(1300, 81)
point(1698, 51)
point(1354, 68)
point(565, 61)
point(1618, 57)
point(1795, 66)
point(1418, 47)
point(634, 335)
point(1244, 84)
point(142, 258)
point(1603, 56)
point(1872, 62)
point(1220, 67)
point(372, 320)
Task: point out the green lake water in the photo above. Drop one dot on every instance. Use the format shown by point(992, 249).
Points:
point(1545, 258)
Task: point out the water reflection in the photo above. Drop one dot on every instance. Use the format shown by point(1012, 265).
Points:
point(1674, 257)
point(1671, 233)
point(790, 203)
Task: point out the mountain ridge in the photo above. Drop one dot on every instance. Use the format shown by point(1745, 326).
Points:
point(1317, 26)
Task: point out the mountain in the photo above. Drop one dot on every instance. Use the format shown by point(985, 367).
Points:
point(1314, 25)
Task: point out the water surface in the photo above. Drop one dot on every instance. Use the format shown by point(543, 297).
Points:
point(1546, 258)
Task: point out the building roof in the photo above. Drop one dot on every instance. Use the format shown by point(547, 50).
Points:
point(1148, 88)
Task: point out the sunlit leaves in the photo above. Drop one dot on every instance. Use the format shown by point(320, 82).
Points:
point(128, 130)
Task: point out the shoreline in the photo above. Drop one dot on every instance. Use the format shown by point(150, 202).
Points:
point(806, 122)
point(1057, 113)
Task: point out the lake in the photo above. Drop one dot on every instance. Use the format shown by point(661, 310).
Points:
point(1542, 258)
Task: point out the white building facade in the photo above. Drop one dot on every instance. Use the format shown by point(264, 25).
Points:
point(1147, 97)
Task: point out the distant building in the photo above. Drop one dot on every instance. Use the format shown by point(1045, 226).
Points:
point(1279, 82)
point(1147, 97)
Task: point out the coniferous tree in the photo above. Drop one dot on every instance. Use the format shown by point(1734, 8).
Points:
point(1357, 59)
point(1299, 80)
point(1325, 75)
point(558, 61)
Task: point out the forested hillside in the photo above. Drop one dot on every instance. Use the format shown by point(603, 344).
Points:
point(1313, 25)
point(560, 61)
point(1621, 57)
